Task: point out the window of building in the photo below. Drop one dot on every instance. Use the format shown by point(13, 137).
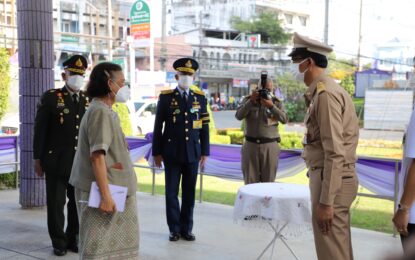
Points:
point(120, 32)
point(303, 20)
point(66, 27)
point(74, 27)
point(289, 18)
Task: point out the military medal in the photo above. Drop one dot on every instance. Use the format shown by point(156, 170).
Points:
point(174, 119)
point(61, 119)
point(66, 111)
point(61, 103)
point(177, 111)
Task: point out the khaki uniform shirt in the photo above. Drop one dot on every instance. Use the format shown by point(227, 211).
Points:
point(100, 130)
point(261, 121)
point(332, 133)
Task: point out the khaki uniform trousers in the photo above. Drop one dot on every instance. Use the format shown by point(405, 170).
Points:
point(260, 161)
point(337, 244)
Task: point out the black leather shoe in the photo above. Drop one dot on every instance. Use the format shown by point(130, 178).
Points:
point(59, 252)
point(73, 248)
point(174, 236)
point(188, 236)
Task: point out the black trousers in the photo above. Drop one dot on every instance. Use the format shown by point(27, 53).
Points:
point(57, 190)
point(404, 239)
point(180, 219)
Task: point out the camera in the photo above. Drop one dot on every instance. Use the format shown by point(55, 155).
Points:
point(263, 91)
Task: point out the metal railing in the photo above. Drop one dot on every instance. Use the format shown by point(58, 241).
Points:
point(393, 198)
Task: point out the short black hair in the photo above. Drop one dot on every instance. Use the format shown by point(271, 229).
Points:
point(98, 80)
point(302, 53)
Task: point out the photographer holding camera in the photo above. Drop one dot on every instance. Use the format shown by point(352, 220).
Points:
point(262, 112)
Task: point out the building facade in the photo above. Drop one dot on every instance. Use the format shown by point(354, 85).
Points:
point(231, 62)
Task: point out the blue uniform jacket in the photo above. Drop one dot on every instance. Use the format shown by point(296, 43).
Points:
point(185, 136)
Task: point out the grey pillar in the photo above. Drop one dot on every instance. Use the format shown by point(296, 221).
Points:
point(35, 37)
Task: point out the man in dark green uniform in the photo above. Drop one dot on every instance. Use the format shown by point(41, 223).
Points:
point(55, 139)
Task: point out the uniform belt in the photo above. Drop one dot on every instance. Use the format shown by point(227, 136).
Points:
point(262, 140)
point(347, 165)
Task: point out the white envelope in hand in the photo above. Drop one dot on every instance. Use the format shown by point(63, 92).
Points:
point(118, 194)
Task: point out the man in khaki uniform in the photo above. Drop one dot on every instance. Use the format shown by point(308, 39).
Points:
point(261, 150)
point(330, 145)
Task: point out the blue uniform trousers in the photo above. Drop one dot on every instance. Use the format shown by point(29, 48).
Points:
point(180, 219)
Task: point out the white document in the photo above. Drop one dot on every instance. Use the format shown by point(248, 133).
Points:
point(118, 194)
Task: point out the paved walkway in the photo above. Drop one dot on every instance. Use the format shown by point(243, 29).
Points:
point(23, 235)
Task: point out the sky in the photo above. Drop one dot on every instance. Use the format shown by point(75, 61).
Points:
point(382, 21)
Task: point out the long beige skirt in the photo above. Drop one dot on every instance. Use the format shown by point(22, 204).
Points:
point(111, 236)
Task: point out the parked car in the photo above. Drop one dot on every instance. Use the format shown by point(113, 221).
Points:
point(10, 124)
point(144, 115)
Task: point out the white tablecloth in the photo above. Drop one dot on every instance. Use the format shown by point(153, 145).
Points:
point(274, 202)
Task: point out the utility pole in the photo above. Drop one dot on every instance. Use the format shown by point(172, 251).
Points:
point(200, 41)
point(163, 49)
point(109, 25)
point(326, 24)
point(360, 36)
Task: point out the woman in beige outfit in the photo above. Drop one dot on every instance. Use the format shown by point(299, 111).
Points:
point(103, 157)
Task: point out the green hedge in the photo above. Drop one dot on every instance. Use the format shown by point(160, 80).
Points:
point(122, 112)
point(8, 181)
point(220, 139)
point(237, 137)
point(289, 140)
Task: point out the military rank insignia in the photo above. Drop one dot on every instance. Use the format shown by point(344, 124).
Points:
point(86, 101)
point(61, 102)
point(320, 87)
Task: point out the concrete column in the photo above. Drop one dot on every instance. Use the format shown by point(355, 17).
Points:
point(35, 41)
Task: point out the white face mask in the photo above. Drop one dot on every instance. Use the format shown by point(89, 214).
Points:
point(185, 81)
point(123, 94)
point(75, 82)
point(295, 70)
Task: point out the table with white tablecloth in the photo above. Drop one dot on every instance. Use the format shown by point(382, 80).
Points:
point(279, 206)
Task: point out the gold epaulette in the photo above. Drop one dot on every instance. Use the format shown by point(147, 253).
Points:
point(321, 87)
point(53, 90)
point(199, 92)
point(165, 92)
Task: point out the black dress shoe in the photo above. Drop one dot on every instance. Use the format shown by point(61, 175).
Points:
point(59, 252)
point(73, 248)
point(188, 236)
point(174, 236)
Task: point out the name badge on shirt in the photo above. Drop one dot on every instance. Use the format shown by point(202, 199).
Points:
point(197, 124)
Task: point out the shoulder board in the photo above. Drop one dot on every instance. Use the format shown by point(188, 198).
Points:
point(321, 87)
point(199, 92)
point(53, 90)
point(165, 92)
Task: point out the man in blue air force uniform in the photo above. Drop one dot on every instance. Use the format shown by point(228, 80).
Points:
point(182, 146)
